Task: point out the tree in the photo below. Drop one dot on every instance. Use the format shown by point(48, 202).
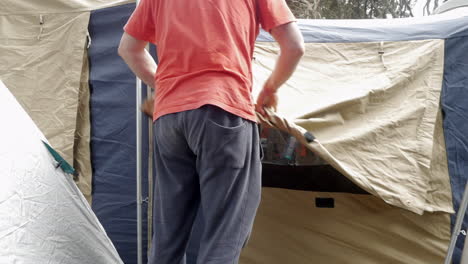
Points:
point(430, 6)
point(354, 9)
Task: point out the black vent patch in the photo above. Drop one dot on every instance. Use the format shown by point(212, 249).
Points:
point(325, 202)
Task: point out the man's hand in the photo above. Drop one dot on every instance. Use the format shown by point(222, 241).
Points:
point(267, 98)
point(147, 107)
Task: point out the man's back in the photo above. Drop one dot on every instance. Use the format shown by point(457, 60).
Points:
point(205, 49)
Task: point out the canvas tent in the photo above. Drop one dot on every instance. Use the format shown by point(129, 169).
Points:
point(370, 91)
point(44, 217)
point(453, 7)
point(415, 59)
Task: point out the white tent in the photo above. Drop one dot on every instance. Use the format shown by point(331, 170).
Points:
point(453, 7)
point(44, 217)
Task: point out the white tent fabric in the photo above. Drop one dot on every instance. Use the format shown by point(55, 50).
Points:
point(459, 11)
point(43, 216)
point(454, 7)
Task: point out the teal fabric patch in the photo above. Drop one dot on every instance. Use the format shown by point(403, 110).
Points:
point(63, 164)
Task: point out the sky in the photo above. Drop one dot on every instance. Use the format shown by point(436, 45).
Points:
point(418, 8)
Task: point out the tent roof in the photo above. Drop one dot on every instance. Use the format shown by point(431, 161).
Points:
point(10, 7)
point(452, 5)
point(366, 30)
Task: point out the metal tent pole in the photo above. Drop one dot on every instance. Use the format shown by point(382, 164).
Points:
point(150, 177)
point(458, 224)
point(139, 122)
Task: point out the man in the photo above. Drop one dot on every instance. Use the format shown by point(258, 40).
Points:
point(207, 147)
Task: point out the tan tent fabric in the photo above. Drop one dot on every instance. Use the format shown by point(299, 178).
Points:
point(439, 192)
point(42, 65)
point(82, 145)
point(464, 259)
point(362, 229)
point(55, 6)
point(375, 115)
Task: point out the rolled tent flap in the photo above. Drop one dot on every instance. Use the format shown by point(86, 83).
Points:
point(43, 64)
point(374, 108)
point(44, 217)
point(82, 145)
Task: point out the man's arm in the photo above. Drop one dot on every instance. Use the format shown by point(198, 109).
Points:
point(292, 49)
point(133, 52)
point(139, 60)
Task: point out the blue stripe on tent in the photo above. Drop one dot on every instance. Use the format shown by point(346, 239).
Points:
point(320, 32)
point(113, 133)
point(455, 108)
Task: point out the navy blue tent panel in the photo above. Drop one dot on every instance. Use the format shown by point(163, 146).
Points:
point(113, 133)
point(455, 109)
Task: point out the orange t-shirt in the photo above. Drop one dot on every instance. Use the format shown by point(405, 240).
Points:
point(205, 50)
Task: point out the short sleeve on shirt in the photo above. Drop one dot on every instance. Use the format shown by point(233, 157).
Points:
point(273, 13)
point(140, 25)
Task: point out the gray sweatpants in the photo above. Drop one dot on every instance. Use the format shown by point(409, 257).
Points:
point(209, 160)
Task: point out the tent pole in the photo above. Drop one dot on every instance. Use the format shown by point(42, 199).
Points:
point(139, 122)
point(458, 225)
point(150, 177)
point(139, 199)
